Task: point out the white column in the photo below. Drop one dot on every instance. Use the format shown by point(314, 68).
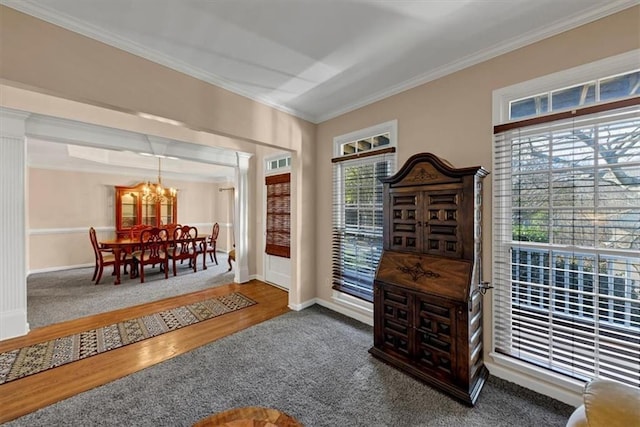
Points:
point(242, 218)
point(13, 282)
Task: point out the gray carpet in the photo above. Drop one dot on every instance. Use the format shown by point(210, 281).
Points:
point(311, 364)
point(65, 295)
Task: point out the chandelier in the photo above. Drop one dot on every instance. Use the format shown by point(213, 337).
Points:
point(155, 192)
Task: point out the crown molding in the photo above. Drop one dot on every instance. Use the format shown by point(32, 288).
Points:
point(33, 8)
point(487, 54)
point(40, 11)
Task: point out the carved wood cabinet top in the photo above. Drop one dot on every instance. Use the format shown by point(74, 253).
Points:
point(427, 168)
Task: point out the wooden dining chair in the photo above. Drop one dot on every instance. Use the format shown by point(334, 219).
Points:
point(153, 250)
point(184, 246)
point(136, 231)
point(170, 228)
point(208, 246)
point(104, 257)
point(134, 234)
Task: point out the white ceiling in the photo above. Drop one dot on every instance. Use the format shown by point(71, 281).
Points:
point(318, 58)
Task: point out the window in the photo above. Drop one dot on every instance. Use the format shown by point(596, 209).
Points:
point(283, 162)
point(361, 159)
point(604, 89)
point(567, 240)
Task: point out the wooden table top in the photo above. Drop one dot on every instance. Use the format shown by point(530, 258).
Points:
point(249, 416)
point(127, 241)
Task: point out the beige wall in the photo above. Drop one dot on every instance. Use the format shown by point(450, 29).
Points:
point(452, 118)
point(62, 205)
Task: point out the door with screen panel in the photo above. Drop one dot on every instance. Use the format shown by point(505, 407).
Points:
point(277, 211)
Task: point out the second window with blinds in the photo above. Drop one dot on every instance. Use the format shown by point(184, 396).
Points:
point(566, 238)
point(360, 159)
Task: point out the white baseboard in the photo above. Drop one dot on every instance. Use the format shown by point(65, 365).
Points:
point(569, 391)
point(338, 308)
point(302, 306)
point(13, 324)
point(275, 285)
point(58, 268)
point(347, 311)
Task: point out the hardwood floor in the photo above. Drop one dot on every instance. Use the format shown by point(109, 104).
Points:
point(23, 396)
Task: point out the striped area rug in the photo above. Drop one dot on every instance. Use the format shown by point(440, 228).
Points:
point(39, 357)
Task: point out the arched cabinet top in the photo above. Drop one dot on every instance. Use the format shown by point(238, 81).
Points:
point(427, 168)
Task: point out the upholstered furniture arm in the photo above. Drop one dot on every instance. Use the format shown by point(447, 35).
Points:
point(607, 404)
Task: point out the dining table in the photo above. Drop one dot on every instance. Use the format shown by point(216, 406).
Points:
point(123, 246)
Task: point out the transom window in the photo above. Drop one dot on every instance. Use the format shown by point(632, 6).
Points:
point(365, 144)
point(604, 89)
point(283, 162)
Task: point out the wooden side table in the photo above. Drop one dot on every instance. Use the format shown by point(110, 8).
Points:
point(249, 416)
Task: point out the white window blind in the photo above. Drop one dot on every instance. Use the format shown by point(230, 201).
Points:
point(566, 262)
point(357, 220)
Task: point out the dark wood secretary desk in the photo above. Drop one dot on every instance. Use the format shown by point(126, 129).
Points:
point(427, 299)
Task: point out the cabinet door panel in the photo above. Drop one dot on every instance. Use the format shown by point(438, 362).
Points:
point(442, 228)
point(435, 336)
point(149, 213)
point(166, 212)
point(129, 203)
point(395, 320)
point(404, 223)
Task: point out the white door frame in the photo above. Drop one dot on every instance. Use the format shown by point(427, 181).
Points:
point(269, 172)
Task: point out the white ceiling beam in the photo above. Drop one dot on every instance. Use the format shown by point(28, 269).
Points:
point(77, 133)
